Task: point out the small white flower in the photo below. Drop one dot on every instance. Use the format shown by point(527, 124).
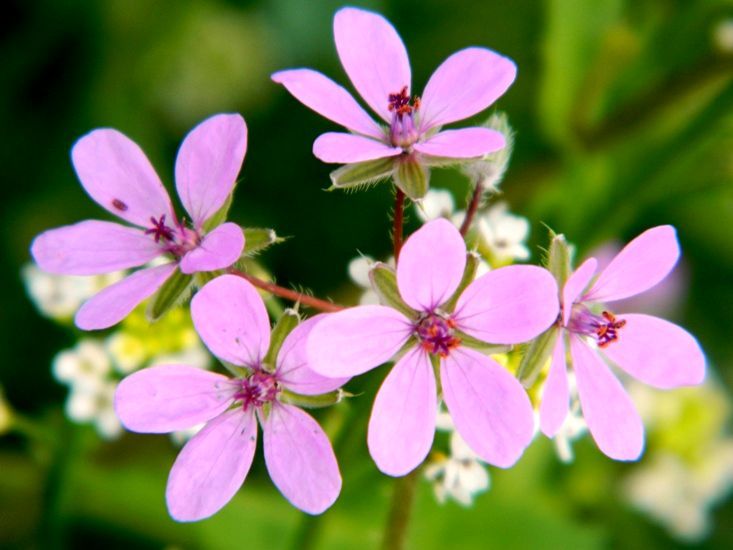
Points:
point(461, 476)
point(86, 362)
point(195, 356)
point(437, 203)
point(504, 234)
point(491, 168)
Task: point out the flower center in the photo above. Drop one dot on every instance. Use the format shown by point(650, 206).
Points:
point(402, 131)
point(604, 327)
point(258, 389)
point(178, 240)
point(436, 334)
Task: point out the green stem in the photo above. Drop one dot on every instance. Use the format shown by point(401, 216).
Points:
point(398, 521)
point(399, 220)
point(472, 207)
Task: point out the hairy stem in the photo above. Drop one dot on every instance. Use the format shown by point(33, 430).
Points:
point(399, 219)
point(472, 207)
point(398, 521)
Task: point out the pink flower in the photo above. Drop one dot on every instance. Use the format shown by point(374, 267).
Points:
point(375, 60)
point(490, 409)
point(116, 173)
point(650, 349)
point(230, 317)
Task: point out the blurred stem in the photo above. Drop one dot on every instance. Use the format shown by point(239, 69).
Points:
point(292, 295)
point(472, 207)
point(399, 219)
point(398, 521)
point(31, 429)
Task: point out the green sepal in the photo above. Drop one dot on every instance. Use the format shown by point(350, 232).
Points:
point(536, 355)
point(362, 174)
point(173, 293)
point(284, 326)
point(558, 259)
point(203, 277)
point(257, 239)
point(469, 273)
point(412, 177)
point(480, 345)
point(435, 363)
point(220, 216)
point(384, 282)
point(313, 401)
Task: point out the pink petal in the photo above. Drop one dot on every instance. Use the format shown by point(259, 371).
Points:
point(373, 56)
point(356, 340)
point(119, 177)
point(328, 99)
point(171, 397)
point(575, 285)
point(431, 265)
point(208, 162)
point(639, 266)
point(657, 352)
point(463, 143)
point(611, 417)
point(342, 148)
point(230, 317)
point(212, 466)
point(402, 424)
point(218, 250)
point(510, 305)
point(555, 395)
point(293, 370)
point(466, 83)
point(115, 302)
point(300, 459)
point(92, 247)
point(489, 407)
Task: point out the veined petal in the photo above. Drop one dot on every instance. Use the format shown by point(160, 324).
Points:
point(373, 55)
point(171, 397)
point(402, 424)
point(555, 395)
point(300, 459)
point(466, 83)
point(208, 162)
point(92, 247)
point(431, 265)
point(293, 370)
point(230, 317)
point(212, 466)
point(336, 147)
point(328, 99)
point(353, 341)
point(575, 285)
point(218, 249)
point(639, 266)
point(119, 177)
point(115, 302)
point(489, 407)
point(611, 417)
point(657, 352)
point(462, 144)
point(509, 305)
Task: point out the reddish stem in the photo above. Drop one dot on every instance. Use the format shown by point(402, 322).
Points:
point(472, 207)
point(288, 294)
point(399, 218)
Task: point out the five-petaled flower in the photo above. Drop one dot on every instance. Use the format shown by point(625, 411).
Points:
point(490, 409)
point(376, 61)
point(116, 173)
point(650, 349)
point(231, 318)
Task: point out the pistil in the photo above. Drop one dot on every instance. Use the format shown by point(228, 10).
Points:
point(436, 334)
point(258, 389)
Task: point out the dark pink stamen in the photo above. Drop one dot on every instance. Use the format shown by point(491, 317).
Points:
point(436, 334)
point(604, 327)
point(258, 389)
point(160, 230)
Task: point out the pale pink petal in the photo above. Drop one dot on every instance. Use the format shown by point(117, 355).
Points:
point(639, 266)
point(328, 99)
point(300, 459)
point(92, 247)
point(575, 285)
point(465, 84)
point(356, 340)
point(489, 407)
point(402, 424)
point(611, 417)
point(657, 352)
point(230, 317)
point(171, 397)
point(115, 302)
point(212, 466)
point(509, 305)
point(373, 56)
point(555, 395)
point(463, 143)
point(208, 162)
point(431, 265)
point(119, 177)
point(217, 250)
point(293, 370)
point(342, 148)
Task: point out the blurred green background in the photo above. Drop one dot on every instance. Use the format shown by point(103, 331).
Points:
point(624, 120)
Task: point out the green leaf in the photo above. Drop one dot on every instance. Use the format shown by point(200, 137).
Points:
point(384, 282)
point(536, 356)
point(412, 177)
point(284, 326)
point(221, 215)
point(472, 262)
point(558, 259)
point(314, 401)
point(257, 239)
point(173, 293)
point(362, 173)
